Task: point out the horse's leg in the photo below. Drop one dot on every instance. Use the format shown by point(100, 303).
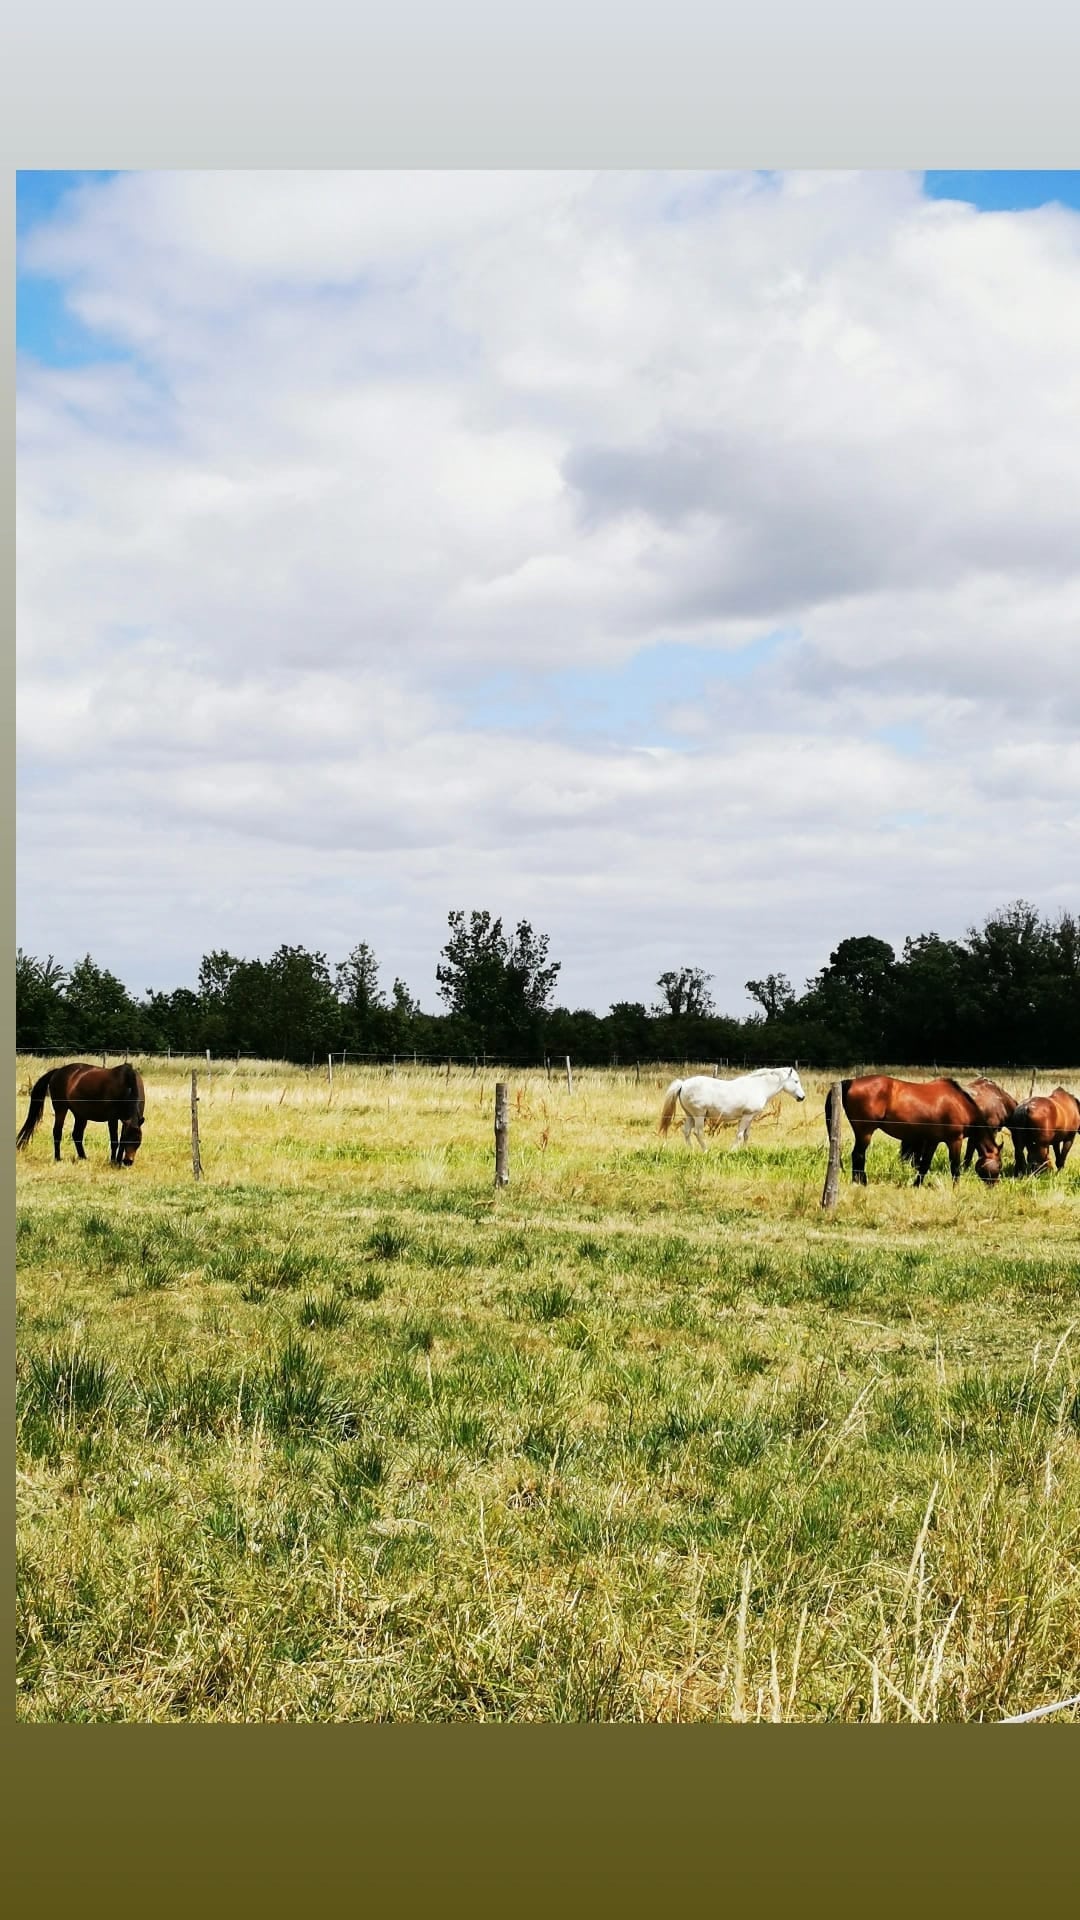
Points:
point(699, 1131)
point(863, 1138)
point(686, 1127)
point(59, 1116)
point(77, 1132)
point(743, 1131)
point(954, 1147)
point(969, 1154)
point(113, 1147)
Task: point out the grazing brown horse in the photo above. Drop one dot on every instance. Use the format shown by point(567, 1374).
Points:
point(113, 1094)
point(921, 1114)
point(993, 1103)
point(1048, 1121)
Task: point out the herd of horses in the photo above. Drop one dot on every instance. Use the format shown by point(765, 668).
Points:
point(922, 1114)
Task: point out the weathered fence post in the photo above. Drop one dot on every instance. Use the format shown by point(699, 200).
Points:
point(831, 1191)
point(569, 1076)
point(330, 1070)
point(196, 1161)
point(502, 1134)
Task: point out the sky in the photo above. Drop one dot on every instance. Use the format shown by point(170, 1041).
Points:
point(685, 563)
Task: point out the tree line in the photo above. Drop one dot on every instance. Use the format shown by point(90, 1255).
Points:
point(1008, 993)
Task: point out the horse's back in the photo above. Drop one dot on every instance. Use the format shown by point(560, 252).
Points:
point(700, 1090)
point(1067, 1109)
point(102, 1086)
point(881, 1098)
point(993, 1102)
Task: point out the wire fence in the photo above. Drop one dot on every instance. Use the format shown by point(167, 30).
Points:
point(551, 1063)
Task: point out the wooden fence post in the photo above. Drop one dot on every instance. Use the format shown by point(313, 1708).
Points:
point(569, 1076)
point(196, 1161)
point(831, 1191)
point(502, 1134)
point(330, 1070)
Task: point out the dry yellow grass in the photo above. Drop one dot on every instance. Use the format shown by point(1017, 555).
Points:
point(341, 1431)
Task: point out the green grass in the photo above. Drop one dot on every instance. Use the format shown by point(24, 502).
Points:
point(341, 1432)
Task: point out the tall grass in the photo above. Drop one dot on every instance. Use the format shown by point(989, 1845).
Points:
point(342, 1432)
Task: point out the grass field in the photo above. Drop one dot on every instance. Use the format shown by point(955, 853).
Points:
point(342, 1432)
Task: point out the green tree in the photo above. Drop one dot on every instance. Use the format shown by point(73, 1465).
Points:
point(852, 993)
point(930, 1020)
point(103, 1014)
point(685, 994)
point(1011, 969)
point(302, 1009)
point(42, 1019)
point(775, 994)
point(496, 986)
point(366, 1024)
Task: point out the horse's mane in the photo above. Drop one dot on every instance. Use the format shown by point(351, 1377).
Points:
point(973, 1104)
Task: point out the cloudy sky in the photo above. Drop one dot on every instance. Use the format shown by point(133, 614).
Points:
point(686, 563)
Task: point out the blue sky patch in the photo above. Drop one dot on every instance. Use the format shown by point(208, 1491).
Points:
point(1005, 191)
point(906, 736)
point(45, 326)
point(626, 704)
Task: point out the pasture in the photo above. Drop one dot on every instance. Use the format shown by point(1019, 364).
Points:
point(342, 1432)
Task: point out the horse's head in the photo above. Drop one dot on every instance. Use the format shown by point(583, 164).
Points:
point(131, 1133)
point(988, 1156)
point(793, 1084)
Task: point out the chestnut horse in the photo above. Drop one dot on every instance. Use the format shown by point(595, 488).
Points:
point(1044, 1122)
point(113, 1094)
point(921, 1114)
point(993, 1103)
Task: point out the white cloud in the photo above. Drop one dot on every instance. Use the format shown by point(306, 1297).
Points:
point(383, 436)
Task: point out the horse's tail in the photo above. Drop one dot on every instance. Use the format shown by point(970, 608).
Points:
point(830, 1098)
point(38, 1096)
point(670, 1099)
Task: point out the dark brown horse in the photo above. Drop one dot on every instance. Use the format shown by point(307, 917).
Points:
point(993, 1103)
point(1047, 1122)
point(922, 1115)
point(113, 1094)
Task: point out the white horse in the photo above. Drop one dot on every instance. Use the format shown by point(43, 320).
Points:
point(740, 1100)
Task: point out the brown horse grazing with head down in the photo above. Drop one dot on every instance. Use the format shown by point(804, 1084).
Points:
point(922, 1115)
point(1049, 1121)
point(993, 1103)
point(113, 1094)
